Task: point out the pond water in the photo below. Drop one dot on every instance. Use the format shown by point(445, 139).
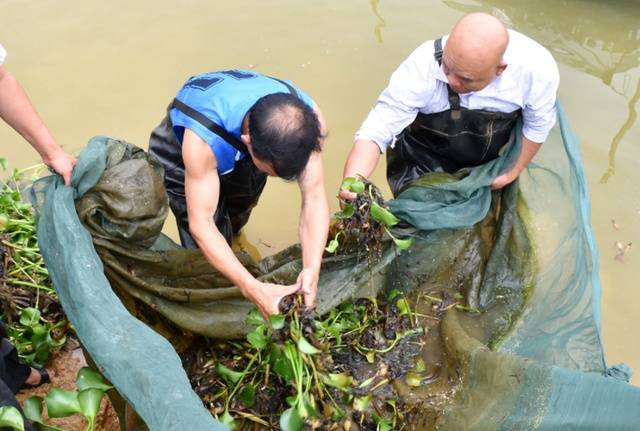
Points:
point(111, 68)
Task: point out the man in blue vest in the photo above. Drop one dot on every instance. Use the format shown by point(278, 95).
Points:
point(224, 133)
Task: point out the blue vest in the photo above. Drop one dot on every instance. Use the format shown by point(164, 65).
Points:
point(224, 98)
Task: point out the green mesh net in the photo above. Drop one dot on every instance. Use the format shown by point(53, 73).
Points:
point(523, 260)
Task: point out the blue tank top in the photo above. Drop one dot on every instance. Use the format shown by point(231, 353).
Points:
point(224, 97)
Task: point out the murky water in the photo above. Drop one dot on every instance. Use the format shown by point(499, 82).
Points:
point(112, 67)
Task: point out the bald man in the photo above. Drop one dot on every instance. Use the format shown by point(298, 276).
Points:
point(454, 102)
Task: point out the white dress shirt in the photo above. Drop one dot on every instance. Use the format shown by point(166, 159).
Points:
point(3, 54)
point(529, 82)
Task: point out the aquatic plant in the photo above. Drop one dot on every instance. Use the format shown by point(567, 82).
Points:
point(364, 221)
point(30, 306)
point(61, 403)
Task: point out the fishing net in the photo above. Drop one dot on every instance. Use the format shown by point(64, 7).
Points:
point(504, 287)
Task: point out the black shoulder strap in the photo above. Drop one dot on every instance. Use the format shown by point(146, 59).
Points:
point(215, 128)
point(454, 98)
point(289, 86)
point(437, 50)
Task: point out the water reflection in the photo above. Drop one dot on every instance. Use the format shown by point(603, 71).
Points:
point(601, 39)
point(377, 30)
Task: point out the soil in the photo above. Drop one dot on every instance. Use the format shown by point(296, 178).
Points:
point(63, 368)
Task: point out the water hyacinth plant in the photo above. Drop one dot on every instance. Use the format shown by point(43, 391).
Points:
point(30, 306)
point(364, 220)
point(298, 370)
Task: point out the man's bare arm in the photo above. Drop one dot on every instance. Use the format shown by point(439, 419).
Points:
point(16, 109)
point(202, 190)
point(529, 149)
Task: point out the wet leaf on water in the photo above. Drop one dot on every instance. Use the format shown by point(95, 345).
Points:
point(230, 375)
point(290, 420)
point(305, 347)
point(62, 403)
point(383, 215)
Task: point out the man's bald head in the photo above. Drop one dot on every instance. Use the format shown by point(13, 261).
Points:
point(474, 50)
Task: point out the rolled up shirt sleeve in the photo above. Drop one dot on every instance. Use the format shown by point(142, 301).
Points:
point(539, 111)
point(399, 103)
point(3, 54)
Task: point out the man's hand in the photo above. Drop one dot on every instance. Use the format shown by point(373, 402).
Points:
point(267, 296)
point(308, 282)
point(347, 195)
point(63, 164)
point(503, 180)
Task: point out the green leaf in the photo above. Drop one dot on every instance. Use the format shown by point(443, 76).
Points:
point(362, 403)
point(357, 187)
point(61, 403)
point(90, 402)
point(305, 347)
point(420, 366)
point(230, 375)
point(367, 382)
point(347, 212)
point(89, 379)
point(228, 420)
point(413, 379)
point(4, 163)
point(257, 340)
point(384, 425)
point(393, 294)
point(283, 368)
point(11, 417)
point(4, 221)
point(403, 306)
point(32, 408)
point(403, 244)
point(290, 420)
point(337, 380)
point(371, 357)
point(333, 246)
point(248, 395)
point(383, 215)
point(277, 321)
point(29, 317)
point(254, 318)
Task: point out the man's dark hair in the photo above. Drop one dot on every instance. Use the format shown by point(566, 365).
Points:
point(284, 131)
